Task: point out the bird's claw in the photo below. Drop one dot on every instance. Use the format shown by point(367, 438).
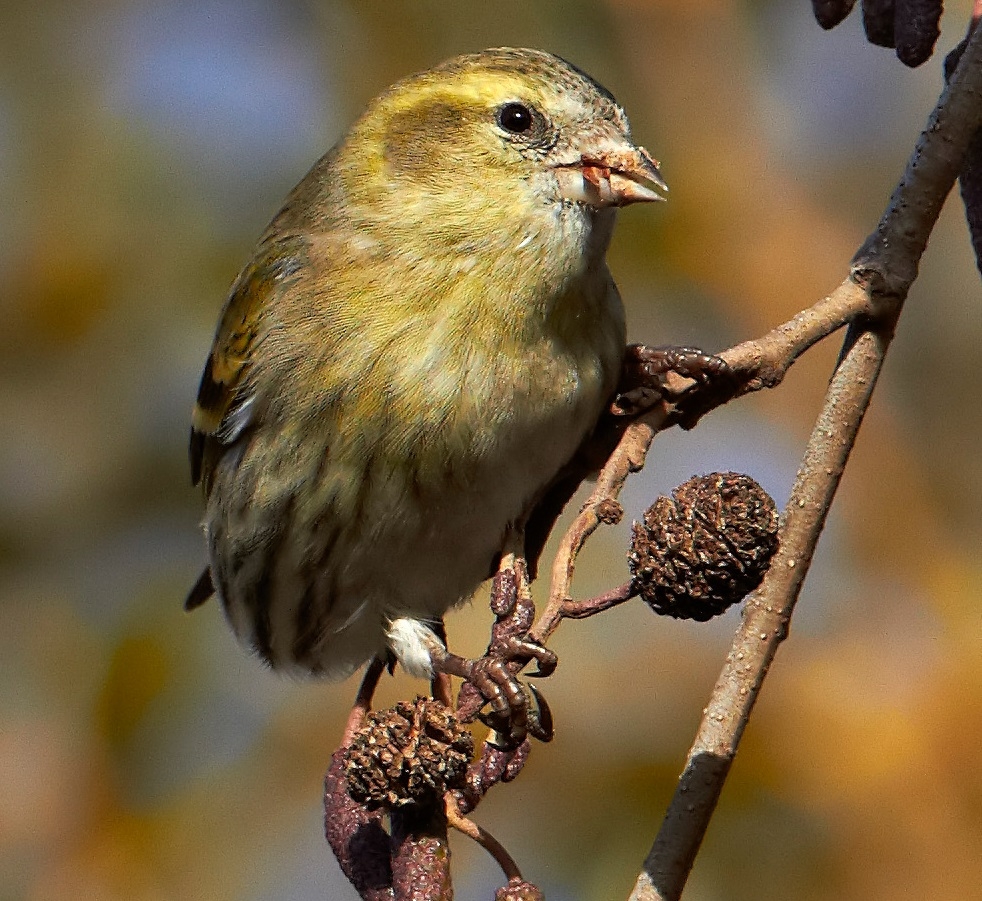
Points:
point(644, 370)
point(538, 723)
point(525, 649)
point(494, 680)
point(643, 381)
point(540, 719)
point(497, 685)
point(642, 364)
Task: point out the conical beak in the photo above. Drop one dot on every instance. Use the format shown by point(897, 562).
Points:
point(614, 177)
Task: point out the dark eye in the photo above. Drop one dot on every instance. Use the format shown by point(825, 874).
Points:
point(515, 117)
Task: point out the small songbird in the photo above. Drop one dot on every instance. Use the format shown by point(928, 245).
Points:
point(423, 339)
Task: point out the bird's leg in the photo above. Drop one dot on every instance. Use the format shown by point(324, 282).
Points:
point(492, 679)
point(441, 689)
point(511, 604)
point(363, 700)
point(523, 650)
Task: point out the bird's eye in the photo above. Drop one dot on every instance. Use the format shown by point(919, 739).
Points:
point(515, 117)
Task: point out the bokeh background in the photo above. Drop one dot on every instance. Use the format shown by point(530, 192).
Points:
point(144, 144)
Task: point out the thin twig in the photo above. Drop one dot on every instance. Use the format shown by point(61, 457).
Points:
point(628, 457)
point(600, 603)
point(481, 835)
point(886, 266)
point(770, 357)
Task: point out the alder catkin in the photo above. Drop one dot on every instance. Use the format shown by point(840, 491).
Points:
point(702, 550)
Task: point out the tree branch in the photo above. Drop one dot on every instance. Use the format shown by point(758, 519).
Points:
point(883, 269)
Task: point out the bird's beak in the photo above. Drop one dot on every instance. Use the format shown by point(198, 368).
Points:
point(612, 177)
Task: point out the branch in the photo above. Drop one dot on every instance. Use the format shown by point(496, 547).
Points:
point(628, 457)
point(755, 365)
point(884, 269)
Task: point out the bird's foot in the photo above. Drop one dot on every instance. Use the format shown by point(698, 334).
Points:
point(522, 650)
point(363, 701)
point(643, 381)
point(492, 679)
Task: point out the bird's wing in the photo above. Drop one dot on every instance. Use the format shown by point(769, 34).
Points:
point(227, 397)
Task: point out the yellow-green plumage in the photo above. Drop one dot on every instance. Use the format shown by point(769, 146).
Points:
point(425, 336)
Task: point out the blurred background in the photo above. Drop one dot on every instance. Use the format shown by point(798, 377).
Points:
point(144, 144)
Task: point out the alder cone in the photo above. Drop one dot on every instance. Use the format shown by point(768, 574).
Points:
point(703, 549)
point(408, 754)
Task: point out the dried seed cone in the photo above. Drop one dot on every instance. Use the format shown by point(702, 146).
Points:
point(830, 13)
point(878, 19)
point(408, 754)
point(917, 27)
point(704, 548)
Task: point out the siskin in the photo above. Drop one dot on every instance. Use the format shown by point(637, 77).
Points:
point(424, 337)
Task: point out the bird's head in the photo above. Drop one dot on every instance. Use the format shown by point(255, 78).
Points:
point(504, 134)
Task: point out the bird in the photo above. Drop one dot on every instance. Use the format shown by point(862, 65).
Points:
point(423, 339)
